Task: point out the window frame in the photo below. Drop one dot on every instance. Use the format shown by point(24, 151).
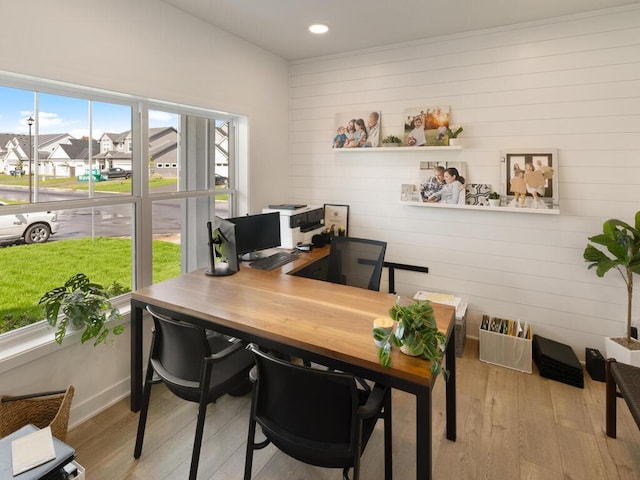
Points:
point(36, 340)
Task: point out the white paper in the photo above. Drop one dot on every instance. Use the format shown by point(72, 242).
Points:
point(32, 450)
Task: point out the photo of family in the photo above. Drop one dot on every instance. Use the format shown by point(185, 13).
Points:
point(531, 180)
point(426, 127)
point(443, 182)
point(357, 130)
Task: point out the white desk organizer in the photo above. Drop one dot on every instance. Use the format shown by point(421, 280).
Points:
point(461, 314)
point(509, 347)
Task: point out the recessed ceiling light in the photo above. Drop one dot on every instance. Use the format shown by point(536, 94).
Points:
point(318, 28)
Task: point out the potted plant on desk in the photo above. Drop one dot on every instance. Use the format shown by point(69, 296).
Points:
point(622, 241)
point(416, 333)
point(83, 305)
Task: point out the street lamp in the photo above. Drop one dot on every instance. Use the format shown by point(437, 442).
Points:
point(30, 123)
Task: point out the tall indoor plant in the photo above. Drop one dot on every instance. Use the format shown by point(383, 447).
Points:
point(622, 242)
point(416, 333)
point(83, 305)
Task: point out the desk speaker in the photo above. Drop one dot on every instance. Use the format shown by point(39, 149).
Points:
point(595, 364)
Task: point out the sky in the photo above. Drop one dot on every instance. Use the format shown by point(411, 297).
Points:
point(60, 114)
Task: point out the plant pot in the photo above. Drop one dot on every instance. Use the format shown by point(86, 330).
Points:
point(454, 142)
point(407, 351)
point(621, 353)
point(390, 144)
point(494, 202)
point(74, 325)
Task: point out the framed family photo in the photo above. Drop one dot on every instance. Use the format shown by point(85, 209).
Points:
point(426, 126)
point(530, 177)
point(357, 130)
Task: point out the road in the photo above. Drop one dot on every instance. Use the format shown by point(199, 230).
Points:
point(112, 221)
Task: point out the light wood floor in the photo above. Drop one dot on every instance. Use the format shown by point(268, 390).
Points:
point(510, 426)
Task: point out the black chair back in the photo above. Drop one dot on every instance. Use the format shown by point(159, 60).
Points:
point(169, 357)
point(316, 416)
point(356, 261)
point(297, 405)
point(196, 365)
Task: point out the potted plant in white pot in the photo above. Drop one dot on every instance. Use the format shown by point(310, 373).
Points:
point(622, 242)
point(494, 199)
point(391, 141)
point(416, 333)
point(83, 305)
point(452, 133)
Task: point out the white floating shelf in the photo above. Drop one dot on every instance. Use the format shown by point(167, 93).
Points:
point(398, 149)
point(540, 211)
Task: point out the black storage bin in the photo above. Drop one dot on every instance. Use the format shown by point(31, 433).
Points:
point(557, 361)
point(595, 364)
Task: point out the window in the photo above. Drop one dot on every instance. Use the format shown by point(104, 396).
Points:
point(90, 159)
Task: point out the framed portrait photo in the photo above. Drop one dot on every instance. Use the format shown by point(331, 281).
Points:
point(530, 177)
point(336, 216)
point(357, 130)
point(426, 126)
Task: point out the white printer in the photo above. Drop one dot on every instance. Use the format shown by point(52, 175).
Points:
point(298, 223)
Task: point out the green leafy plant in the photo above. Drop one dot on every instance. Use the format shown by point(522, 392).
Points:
point(622, 241)
point(83, 305)
point(494, 196)
point(391, 139)
point(454, 131)
point(417, 331)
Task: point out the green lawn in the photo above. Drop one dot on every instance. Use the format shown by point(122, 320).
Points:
point(28, 271)
point(118, 185)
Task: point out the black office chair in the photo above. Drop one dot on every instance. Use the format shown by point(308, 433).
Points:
point(318, 417)
point(196, 365)
point(356, 261)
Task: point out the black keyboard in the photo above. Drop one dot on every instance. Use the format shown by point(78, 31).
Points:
point(273, 261)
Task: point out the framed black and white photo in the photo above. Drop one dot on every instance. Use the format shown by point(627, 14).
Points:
point(336, 216)
point(530, 178)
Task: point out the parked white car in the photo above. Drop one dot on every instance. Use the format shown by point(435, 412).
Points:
point(34, 227)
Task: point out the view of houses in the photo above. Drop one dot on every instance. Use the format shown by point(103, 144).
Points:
point(61, 155)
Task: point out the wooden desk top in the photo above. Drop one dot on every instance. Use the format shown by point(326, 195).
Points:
point(334, 321)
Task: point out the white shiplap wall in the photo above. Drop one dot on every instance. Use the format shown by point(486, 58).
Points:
point(571, 84)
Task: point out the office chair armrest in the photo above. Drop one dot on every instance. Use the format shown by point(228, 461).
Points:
point(374, 402)
point(233, 346)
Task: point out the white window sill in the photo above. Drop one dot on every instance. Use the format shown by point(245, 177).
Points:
point(37, 340)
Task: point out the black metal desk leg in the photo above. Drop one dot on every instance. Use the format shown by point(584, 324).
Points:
point(136, 358)
point(423, 435)
point(451, 387)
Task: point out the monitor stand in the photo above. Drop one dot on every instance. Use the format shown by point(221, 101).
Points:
point(221, 269)
point(251, 256)
point(224, 239)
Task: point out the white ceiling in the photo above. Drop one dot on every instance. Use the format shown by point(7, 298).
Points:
point(280, 26)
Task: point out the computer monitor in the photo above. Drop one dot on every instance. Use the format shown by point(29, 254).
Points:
point(222, 244)
point(256, 232)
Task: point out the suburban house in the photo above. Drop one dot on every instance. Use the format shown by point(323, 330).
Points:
point(61, 155)
point(14, 149)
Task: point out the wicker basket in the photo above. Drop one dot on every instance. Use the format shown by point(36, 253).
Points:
point(40, 409)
